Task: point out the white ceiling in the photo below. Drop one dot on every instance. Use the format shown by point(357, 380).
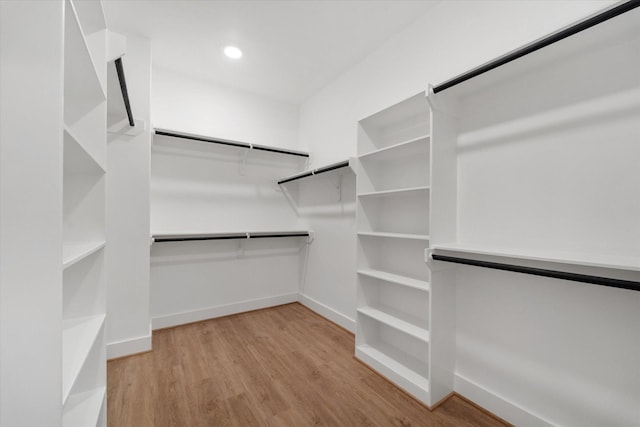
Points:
point(292, 48)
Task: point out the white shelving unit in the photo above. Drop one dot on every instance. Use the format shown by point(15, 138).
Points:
point(395, 317)
point(84, 167)
point(549, 175)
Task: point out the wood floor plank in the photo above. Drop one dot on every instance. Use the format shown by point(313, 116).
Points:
point(282, 366)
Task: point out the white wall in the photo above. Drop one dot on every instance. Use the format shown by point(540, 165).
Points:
point(515, 339)
point(31, 77)
point(206, 188)
point(327, 203)
point(127, 252)
point(185, 104)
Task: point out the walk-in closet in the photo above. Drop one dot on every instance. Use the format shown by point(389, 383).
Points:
point(310, 212)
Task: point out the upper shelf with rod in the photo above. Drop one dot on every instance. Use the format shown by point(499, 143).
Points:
point(312, 172)
point(549, 41)
point(555, 274)
point(229, 143)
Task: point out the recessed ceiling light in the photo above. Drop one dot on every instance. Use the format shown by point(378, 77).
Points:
point(232, 52)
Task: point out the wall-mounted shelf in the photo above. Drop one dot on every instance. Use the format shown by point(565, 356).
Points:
point(312, 172)
point(539, 44)
point(394, 235)
point(227, 142)
point(421, 285)
point(160, 238)
point(406, 371)
point(84, 409)
point(78, 339)
point(82, 85)
point(396, 322)
point(77, 159)
point(512, 200)
point(77, 251)
point(563, 275)
point(572, 258)
point(396, 192)
point(402, 149)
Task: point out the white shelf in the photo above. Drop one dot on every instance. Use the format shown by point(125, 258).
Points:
point(91, 14)
point(316, 171)
point(77, 251)
point(590, 260)
point(399, 192)
point(404, 148)
point(83, 89)
point(77, 159)
point(408, 328)
point(83, 409)
point(397, 367)
point(78, 338)
point(421, 285)
point(395, 235)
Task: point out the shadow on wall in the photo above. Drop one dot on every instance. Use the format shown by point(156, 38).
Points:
point(330, 194)
point(193, 252)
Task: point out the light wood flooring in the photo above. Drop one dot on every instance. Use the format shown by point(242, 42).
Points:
point(282, 366)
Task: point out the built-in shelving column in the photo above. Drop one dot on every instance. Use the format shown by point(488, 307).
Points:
point(393, 186)
point(84, 294)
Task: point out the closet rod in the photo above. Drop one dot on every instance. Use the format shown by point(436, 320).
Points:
point(230, 143)
point(328, 168)
point(539, 44)
point(187, 238)
point(595, 280)
point(123, 88)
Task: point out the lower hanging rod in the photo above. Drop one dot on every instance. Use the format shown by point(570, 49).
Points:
point(564, 275)
point(227, 236)
point(323, 169)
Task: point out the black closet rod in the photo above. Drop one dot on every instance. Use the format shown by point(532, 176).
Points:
point(546, 41)
point(334, 166)
point(125, 92)
point(161, 239)
point(595, 280)
point(229, 143)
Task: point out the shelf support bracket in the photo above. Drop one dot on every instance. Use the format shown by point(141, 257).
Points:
point(240, 248)
point(243, 164)
point(431, 98)
point(311, 237)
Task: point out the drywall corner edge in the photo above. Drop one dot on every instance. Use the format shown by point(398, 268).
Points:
point(328, 313)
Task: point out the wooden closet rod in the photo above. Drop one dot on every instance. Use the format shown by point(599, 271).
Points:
point(226, 236)
point(595, 280)
point(328, 168)
point(229, 143)
point(125, 92)
point(539, 44)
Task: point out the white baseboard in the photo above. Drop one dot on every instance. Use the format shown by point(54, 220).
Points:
point(129, 346)
point(496, 404)
point(328, 312)
point(183, 318)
